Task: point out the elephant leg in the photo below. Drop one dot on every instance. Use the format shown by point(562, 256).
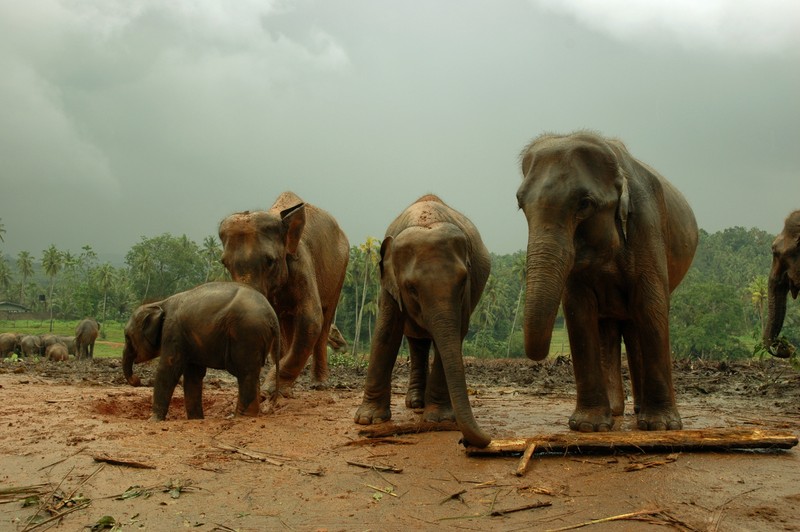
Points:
point(418, 349)
point(193, 390)
point(167, 377)
point(305, 329)
point(611, 355)
point(249, 402)
point(91, 350)
point(286, 324)
point(657, 408)
point(377, 402)
point(438, 406)
point(320, 354)
point(592, 411)
point(634, 353)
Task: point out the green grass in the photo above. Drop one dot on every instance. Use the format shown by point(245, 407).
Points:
point(111, 333)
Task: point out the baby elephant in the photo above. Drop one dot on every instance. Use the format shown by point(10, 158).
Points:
point(216, 325)
point(57, 352)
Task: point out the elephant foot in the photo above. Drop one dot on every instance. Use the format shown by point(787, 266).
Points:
point(415, 399)
point(285, 388)
point(371, 413)
point(659, 419)
point(157, 417)
point(591, 420)
point(320, 385)
point(438, 413)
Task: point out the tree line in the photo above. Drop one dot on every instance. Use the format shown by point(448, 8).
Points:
point(717, 312)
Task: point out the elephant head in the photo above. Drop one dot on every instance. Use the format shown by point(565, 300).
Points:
point(575, 197)
point(784, 277)
point(427, 271)
point(142, 339)
point(258, 244)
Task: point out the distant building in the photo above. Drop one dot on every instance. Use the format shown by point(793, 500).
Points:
point(7, 306)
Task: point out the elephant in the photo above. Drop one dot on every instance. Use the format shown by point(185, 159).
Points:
point(30, 345)
point(434, 267)
point(69, 341)
point(86, 333)
point(47, 340)
point(296, 255)
point(9, 343)
point(336, 340)
point(220, 325)
point(57, 352)
point(610, 239)
point(784, 277)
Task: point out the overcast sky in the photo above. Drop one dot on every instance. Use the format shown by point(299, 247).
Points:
point(128, 119)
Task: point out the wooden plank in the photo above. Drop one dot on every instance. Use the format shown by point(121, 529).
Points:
point(642, 441)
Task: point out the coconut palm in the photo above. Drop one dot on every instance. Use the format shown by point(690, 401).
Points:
point(52, 261)
point(105, 278)
point(25, 267)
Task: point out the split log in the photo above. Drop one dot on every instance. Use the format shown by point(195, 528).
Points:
point(727, 439)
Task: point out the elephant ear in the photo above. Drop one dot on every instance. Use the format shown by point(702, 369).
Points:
point(388, 279)
point(293, 220)
point(624, 208)
point(152, 323)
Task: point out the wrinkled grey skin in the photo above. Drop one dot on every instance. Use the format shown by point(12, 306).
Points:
point(215, 325)
point(57, 352)
point(784, 277)
point(434, 267)
point(296, 255)
point(86, 333)
point(9, 343)
point(609, 238)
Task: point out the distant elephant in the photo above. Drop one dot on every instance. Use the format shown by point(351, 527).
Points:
point(296, 255)
point(86, 333)
point(784, 277)
point(47, 340)
point(434, 267)
point(610, 238)
point(69, 341)
point(9, 343)
point(215, 325)
point(57, 352)
point(336, 340)
point(30, 345)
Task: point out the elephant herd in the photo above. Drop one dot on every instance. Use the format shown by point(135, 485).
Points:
point(609, 239)
point(53, 347)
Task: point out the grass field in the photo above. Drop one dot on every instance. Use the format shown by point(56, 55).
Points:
point(107, 345)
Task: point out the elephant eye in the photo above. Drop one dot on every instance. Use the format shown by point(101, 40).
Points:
point(585, 204)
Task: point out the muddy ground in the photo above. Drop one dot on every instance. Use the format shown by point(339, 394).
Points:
point(64, 425)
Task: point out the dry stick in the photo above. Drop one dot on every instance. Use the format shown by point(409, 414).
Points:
point(84, 482)
point(65, 458)
point(59, 515)
point(390, 429)
point(44, 501)
point(385, 469)
point(526, 457)
point(121, 462)
point(455, 496)
point(620, 517)
point(250, 454)
point(532, 506)
point(382, 490)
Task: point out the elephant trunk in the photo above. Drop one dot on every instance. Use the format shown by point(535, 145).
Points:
point(776, 312)
point(445, 329)
point(128, 358)
point(548, 262)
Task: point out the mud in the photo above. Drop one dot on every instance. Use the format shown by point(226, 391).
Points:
point(292, 467)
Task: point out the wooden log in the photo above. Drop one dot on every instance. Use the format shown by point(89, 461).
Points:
point(526, 457)
point(382, 430)
point(726, 439)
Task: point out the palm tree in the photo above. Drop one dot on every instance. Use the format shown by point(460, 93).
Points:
point(758, 290)
point(144, 263)
point(105, 276)
point(2, 231)
point(52, 261)
point(25, 267)
point(518, 271)
point(5, 275)
point(368, 249)
point(211, 253)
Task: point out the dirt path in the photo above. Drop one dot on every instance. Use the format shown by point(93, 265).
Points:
point(289, 469)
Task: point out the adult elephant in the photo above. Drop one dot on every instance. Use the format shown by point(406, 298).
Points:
point(609, 238)
point(434, 267)
point(296, 255)
point(215, 325)
point(784, 277)
point(86, 333)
